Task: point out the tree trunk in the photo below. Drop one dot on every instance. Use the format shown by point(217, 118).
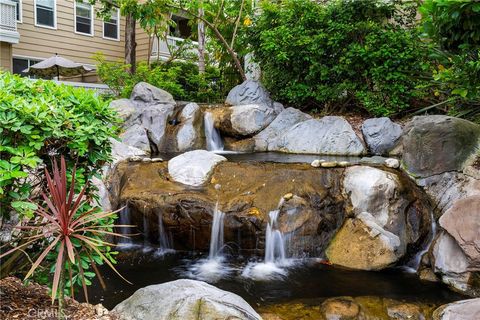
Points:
point(201, 40)
point(219, 37)
point(130, 44)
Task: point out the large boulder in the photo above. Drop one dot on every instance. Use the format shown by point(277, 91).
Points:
point(184, 300)
point(249, 92)
point(286, 119)
point(145, 129)
point(364, 245)
point(249, 119)
point(145, 92)
point(381, 134)
point(189, 135)
point(459, 310)
point(437, 144)
point(329, 135)
point(122, 151)
point(451, 263)
point(462, 222)
point(124, 107)
point(446, 188)
point(369, 189)
point(194, 167)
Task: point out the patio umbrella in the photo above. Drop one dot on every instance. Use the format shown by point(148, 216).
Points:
point(56, 66)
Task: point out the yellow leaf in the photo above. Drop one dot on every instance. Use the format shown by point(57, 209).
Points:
point(247, 21)
point(441, 67)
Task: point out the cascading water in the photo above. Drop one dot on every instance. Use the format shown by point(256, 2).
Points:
point(274, 241)
point(275, 253)
point(213, 268)
point(413, 265)
point(216, 237)
point(124, 219)
point(146, 243)
point(212, 136)
point(164, 240)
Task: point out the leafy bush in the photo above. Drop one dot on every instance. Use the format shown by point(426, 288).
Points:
point(454, 24)
point(41, 119)
point(181, 79)
point(455, 28)
point(339, 55)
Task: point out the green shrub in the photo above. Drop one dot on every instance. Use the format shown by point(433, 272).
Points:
point(40, 119)
point(181, 79)
point(453, 24)
point(339, 56)
point(454, 27)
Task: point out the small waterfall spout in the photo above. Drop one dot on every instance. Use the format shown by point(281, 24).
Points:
point(164, 239)
point(212, 136)
point(216, 237)
point(124, 219)
point(213, 268)
point(275, 261)
point(274, 241)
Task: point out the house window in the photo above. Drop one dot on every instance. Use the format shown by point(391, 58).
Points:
point(83, 18)
point(18, 9)
point(45, 14)
point(20, 64)
point(111, 27)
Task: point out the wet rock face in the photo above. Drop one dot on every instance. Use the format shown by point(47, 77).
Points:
point(349, 308)
point(186, 300)
point(387, 220)
point(437, 144)
point(309, 217)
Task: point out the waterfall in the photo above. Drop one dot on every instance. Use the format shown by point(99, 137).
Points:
point(124, 219)
point(163, 238)
point(275, 262)
point(216, 237)
point(212, 136)
point(146, 243)
point(274, 241)
point(413, 265)
point(213, 268)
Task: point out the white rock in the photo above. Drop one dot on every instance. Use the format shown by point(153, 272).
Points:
point(316, 163)
point(392, 163)
point(193, 167)
point(184, 300)
point(369, 189)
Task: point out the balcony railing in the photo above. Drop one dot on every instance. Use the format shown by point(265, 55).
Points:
point(8, 22)
point(171, 45)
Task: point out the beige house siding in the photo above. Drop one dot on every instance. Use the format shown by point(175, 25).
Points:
point(40, 42)
point(5, 56)
point(141, 38)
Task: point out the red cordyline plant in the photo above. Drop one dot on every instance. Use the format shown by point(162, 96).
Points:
point(61, 225)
